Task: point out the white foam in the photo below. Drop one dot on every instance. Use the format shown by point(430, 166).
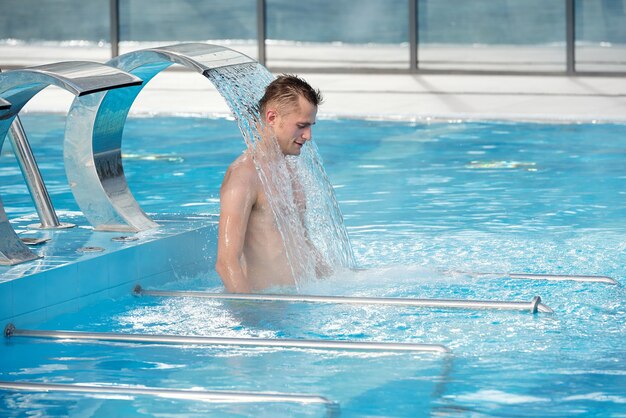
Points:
point(500, 397)
point(597, 397)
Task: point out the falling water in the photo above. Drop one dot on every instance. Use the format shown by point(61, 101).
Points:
point(283, 178)
point(323, 218)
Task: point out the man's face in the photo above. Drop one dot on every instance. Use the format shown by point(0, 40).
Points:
point(292, 127)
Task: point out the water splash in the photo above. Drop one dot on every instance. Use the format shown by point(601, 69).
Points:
point(323, 220)
point(297, 188)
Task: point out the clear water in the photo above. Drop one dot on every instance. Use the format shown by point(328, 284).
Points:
point(418, 199)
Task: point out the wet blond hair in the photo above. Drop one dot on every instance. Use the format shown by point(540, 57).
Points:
point(284, 92)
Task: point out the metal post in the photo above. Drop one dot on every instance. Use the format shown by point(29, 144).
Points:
point(413, 35)
point(570, 36)
point(115, 27)
point(261, 30)
point(32, 176)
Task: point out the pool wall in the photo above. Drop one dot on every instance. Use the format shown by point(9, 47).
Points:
point(66, 280)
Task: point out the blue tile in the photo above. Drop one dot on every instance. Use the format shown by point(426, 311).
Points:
point(93, 275)
point(192, 247)
point(92, 298)
point(122, 290)
point(6, 300)
point(29, 293)
point(154, 257)
point(61, 284)
point(199, 267)
point(157, 280)
point(30, 319)
point(123, 267)
point(71, 306)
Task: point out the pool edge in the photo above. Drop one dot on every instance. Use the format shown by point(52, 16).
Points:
point(41, 296)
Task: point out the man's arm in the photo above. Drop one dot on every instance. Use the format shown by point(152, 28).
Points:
point(237, 196)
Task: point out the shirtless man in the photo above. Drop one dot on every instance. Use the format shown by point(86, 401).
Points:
point(250, 250)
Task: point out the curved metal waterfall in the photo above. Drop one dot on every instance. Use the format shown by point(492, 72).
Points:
point(94, 167)
point(80, 78)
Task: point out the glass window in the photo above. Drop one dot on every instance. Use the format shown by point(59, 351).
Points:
point(337, 34)
point(600, 35)
point(35, 32)
point(505, 35)
point(146, 23)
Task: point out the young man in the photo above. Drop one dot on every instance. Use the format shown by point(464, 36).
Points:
point(250, 252)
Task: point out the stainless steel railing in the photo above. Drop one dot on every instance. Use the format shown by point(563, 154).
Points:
point(10, 331)
point(542, 276)
point(332, 408)
point(413, 24)
point(33, 179)
point(532, 306)
point(32, 175)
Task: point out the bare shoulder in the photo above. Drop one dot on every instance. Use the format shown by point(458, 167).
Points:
point(241, 174)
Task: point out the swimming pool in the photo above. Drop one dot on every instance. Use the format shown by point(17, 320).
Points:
point(422, 202)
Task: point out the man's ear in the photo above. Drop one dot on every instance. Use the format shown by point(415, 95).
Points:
point(270, 116)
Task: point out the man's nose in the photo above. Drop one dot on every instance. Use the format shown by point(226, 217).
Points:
point(307, 134)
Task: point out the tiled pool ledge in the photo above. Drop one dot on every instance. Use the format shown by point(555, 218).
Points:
point(67, 279)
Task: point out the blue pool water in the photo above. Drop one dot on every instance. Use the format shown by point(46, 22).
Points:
point(419, 200)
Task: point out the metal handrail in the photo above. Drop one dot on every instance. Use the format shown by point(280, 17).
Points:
point(570, 37)
point(261, 31)
point(11, 331)
point(562, 277)
point(413, 36)
point(32, 177)
point(186, 394)
point(541, 276)
point(533, 306)
point(114, 15)
point(413, 66)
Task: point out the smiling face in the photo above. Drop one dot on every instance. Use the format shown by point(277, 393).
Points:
point(292, 126)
